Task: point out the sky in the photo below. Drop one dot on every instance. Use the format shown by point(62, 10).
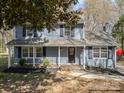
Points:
point(81, 4)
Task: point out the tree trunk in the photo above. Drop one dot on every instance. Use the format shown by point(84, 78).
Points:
point(2, 47)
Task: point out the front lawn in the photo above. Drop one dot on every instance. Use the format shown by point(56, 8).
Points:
point(20, 82)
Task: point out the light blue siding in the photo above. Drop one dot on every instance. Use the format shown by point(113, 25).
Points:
point(55, 34)
point(18, 32)
point(79, 55)
point(100, 62)
point(79, 32)
point(64, 55)
point(16, 53)
point(52, 54)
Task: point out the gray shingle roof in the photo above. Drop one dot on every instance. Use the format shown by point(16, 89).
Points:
point(92, 39)
point(100, 39)
point(37, 42)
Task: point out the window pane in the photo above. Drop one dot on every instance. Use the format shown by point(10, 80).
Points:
point(31, 52)
point(104, 52)
point(29, 32)
point(103, 49)
point(67, 31)
point(96, 49)
point(104, 55)
point(96, 52)
point(96, 55)
point(39, 52)
point(25, 52)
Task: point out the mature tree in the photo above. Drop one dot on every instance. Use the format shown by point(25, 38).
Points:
point(120, 5)
point(99, 13)
point(118, 31)
point(37, 13)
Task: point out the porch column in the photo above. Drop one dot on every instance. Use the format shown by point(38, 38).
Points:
point(84, 58)
point(59, 56)
point(33, 56)
point(115, 58)
point(9, 57)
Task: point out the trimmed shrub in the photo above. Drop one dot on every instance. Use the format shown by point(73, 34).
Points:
point(45, 62)
point(22, 62)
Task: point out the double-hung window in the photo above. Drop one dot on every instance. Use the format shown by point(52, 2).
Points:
point(39, 52)
point(28, 52)
point(104, 52)
point(31, 52)
point(67, 31)
point(25, 52)
point(96, 52)
point(100, 52)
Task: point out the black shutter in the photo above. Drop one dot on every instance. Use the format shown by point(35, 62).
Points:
point(110, 54)
point(24, 32)
point(44, 51)
point(19, 52)
point(61, 30)
point(35, 33)
point(90, 53)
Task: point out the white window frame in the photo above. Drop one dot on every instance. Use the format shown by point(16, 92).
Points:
point(28, 32)
point(104, 52)
point(70, 31)
point(36, 52)
point(100, 53)
point(94, 52)
point(29, 52)
point(23, 52)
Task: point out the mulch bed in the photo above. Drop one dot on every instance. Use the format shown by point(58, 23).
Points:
point(24, 70)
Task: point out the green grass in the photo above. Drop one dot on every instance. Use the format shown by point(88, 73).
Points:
point(12, 82)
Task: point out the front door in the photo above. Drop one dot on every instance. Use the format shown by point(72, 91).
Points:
point(71, 55)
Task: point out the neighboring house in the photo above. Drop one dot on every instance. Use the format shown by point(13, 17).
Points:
point(64, 45)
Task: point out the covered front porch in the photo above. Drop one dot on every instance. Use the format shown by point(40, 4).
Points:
point(56, 54)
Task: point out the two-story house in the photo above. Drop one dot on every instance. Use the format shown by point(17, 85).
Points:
point(64, 45)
